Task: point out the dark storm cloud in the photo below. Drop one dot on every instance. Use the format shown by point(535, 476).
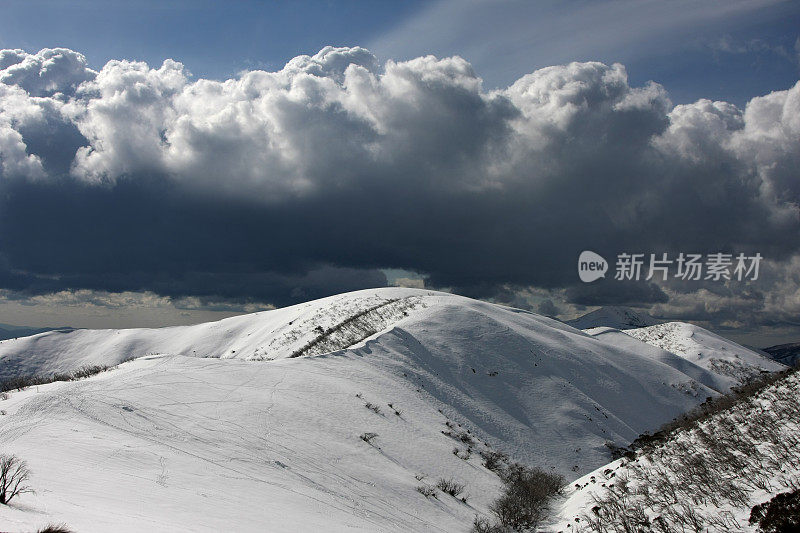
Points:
point(610, 292)
point(140, 235)
point(283, 186)
point(547, 308)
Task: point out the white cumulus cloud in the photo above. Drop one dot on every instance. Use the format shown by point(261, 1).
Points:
point(339, 162)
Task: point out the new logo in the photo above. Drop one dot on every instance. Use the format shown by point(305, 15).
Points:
point(591, 266)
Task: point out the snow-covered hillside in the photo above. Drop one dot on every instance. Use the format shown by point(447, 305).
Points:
point(306, 329)
point(254, 422)
point(626, 341)
point(708, 350)
point(613, 317)
point(705, 475)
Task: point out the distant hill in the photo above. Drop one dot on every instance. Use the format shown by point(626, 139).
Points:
point(788, 354)
point(614, 317)
point(706, 349)
point(7, 331)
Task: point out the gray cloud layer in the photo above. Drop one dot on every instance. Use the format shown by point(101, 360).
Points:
point(282, 186)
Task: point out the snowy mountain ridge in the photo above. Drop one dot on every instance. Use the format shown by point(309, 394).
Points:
point(706, 349)
point(324, 325)
point(266, 418)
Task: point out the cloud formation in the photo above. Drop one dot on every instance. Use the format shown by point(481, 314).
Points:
point(283, 186)
point(47, 73)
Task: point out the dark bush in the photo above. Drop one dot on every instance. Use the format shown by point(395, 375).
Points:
point(461, 436)
point(494, 461)
point(23, 382)
point(87, 371)
point(450, 486)
point(779, 515)
point(465, 455)
point(527, 493)
point(55, 528)
point(618, 452)
point(482, 525)
point(372, 407)
point(368, 437)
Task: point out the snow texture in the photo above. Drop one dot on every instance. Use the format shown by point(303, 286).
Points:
point(706, 349)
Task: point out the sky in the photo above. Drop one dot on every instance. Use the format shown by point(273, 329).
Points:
point(174, 162)
point(728, 50)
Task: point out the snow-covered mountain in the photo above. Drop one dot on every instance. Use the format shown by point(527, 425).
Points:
point(257, 421)
point(306, 329)
point(613, 317)
point(624, 340)
point(787, 354)
point(708, 350)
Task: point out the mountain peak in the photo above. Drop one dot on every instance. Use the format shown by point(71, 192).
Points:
point(614, 317)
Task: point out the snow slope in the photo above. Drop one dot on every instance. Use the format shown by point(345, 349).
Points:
point(708, 350)
point(305, 329)
point(626, 341)
point(613, 317)
point(225, 430)
point(708, 475)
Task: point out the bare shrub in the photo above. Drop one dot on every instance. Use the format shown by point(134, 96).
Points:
point(368, 437)
point(450, 486)
point(461, 436)
point(372, 407)
point(55, 528)
point(465, 455)
point(87, 371)
point(482, 525)
point(21, 383)
point(427, 490)
point(494, 461)
point(527, 494)
point(14, 474)
point(618, 452)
